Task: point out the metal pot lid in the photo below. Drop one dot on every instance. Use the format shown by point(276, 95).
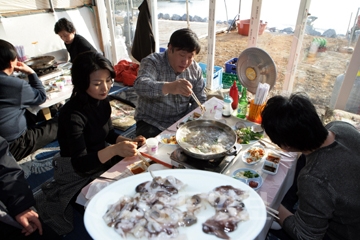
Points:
point(255, 66)
point(41, 62)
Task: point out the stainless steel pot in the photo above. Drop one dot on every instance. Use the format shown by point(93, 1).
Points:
point(40, 63)
point(205, 127)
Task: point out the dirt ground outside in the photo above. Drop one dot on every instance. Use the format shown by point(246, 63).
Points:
point(314, 75)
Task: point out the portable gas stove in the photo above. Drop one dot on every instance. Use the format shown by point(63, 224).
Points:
point(179, 159)
point(48, 73)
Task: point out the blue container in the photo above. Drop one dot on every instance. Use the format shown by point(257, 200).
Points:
point(230, 66)
point(162, 49)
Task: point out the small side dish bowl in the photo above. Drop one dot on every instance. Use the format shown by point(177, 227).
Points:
point(253, 154)
point(249, 177)
point(257, 129)
point(270, 167)
point(273, 157)
point(168, 139)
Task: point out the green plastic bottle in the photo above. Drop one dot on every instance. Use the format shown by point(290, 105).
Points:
point(243, 104)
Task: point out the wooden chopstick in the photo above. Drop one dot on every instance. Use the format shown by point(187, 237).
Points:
point(272, 210)
point(195, 98)
point(197, 101)
point(270, 213)
point(142, 157)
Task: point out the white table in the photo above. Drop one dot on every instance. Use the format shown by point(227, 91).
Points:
point(272, 191)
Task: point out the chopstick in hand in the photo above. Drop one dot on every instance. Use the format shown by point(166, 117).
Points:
point(272, 212)
point(198, 102)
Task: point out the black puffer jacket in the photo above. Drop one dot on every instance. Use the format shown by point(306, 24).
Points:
point(15, 192)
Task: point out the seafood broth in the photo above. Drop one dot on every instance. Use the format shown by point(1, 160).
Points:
point(206, 139)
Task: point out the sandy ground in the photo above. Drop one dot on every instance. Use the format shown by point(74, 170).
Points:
point(314, 75)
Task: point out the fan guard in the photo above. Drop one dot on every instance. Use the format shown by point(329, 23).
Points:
point(255, 66)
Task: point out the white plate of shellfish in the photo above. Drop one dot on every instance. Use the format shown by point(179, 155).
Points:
point(181, 203)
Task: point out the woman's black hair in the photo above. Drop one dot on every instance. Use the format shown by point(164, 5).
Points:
point(64, 24)
point(185, 39)
point(7, 54)
point(85, 64)
point(293, 122)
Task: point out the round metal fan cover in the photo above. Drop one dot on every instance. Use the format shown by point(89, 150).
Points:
point(254, 65)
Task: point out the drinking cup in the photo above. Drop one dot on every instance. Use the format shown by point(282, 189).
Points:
point(60, 85)
point(152, 146)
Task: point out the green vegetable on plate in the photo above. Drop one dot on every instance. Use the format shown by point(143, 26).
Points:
point(245, 135)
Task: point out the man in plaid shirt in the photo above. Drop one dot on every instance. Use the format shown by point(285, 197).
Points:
point(164, 84)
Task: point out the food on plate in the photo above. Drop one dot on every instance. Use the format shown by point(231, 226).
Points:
point(273, 157)
point(138, 167)
point(229, 211)
point(246, 174)
point(255, 154)
point(169, 140)
point(196, 115)
point(269, 168)
point(153, 212)
point(253, 184)
point(245, 135)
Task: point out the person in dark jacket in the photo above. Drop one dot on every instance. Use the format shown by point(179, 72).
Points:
point(144, 40)
point(16, 195)
point(74, 43)
point(16, 95)
point(88, 142)
point(18, 220)
point(328, 185)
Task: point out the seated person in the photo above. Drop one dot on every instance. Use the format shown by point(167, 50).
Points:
point(74, 43)
point(328, 190)
point(15, 96)
point(164, 84)
point(88, 142)
point(18, 199)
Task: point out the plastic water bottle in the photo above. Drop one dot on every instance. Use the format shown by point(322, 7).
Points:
point(227, 109)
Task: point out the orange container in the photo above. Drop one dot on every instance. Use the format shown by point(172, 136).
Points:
point(243, 27)
point(255, 112)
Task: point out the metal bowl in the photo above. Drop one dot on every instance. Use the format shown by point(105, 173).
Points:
point(40, 63)
point(206, 126)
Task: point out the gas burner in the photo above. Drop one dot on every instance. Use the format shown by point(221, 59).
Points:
point(180, 159)
point(42, 72)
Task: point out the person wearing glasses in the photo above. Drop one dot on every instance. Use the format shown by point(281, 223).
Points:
point(164, 84)
point(74, 43)
point(88, 142)
point(328, 189)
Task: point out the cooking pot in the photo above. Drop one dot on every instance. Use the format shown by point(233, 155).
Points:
point(40, 63)
point(192, 134)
